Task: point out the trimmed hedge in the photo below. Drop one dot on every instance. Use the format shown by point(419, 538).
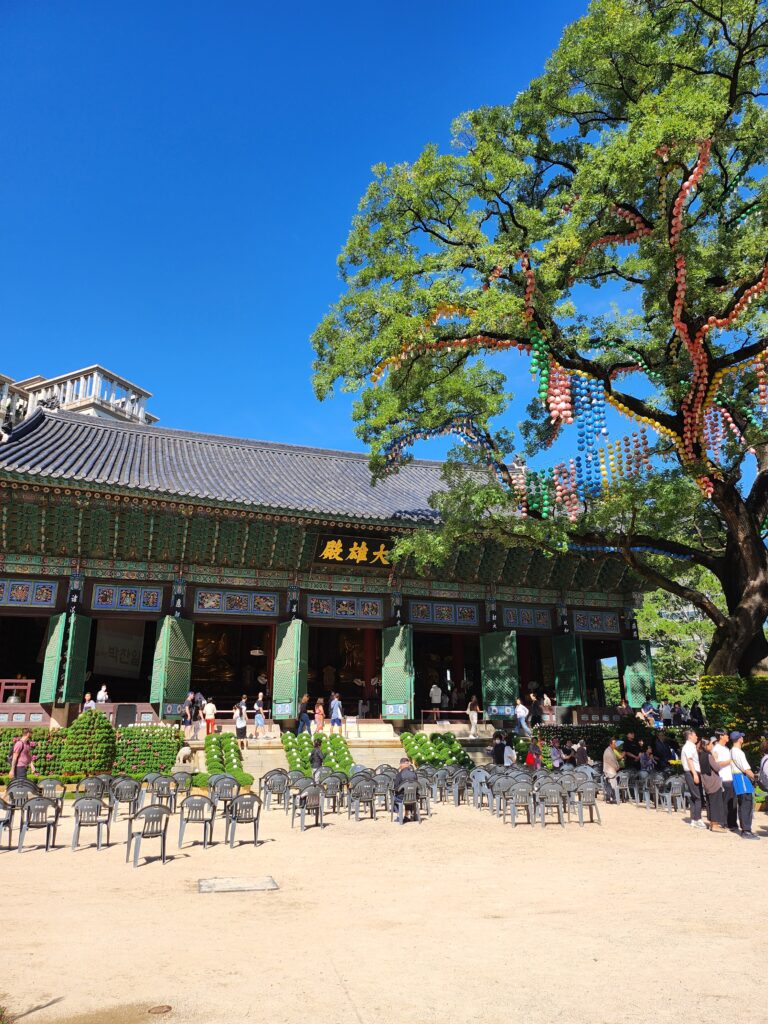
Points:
point(335, 751)
point(223, 755)
point(89, 746)
point(438, 750)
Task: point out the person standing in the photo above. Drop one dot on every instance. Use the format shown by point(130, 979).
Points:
point(722, 755)
point(337, 713)
point(534, 753)
point(631, 751)
point(240, 716)
point(319, 715)
point(259, 721)
point(435, 698)
point(510, 754)
point(521, 714)
point(89, 704)
point(689, 756)
point(497, 748)
point(187, 714)
point(316, 756)
point(696, 715)
point(743, 785)
point(473, 709)
point(555, 753)
point(580, 754)
point(21, 755)
point(537, 710)
point(712, 784)
point(666, 715)
point(611, 769)
point(304, 724)
point(404, 777)
point(102, 697)
point(209, 714)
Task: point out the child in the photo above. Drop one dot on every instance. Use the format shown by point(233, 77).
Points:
point(319, 715)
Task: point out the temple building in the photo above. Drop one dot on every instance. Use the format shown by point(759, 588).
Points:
point(155, 560)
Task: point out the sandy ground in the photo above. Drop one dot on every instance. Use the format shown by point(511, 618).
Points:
point(456, 919)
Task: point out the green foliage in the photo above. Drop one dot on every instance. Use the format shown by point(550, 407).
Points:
point(141, 749)
point(439, 750)
point(335, 751)
point(736, 703)
point(89, 746)
point(47, 749)
point(596, 153)
point(223, 755)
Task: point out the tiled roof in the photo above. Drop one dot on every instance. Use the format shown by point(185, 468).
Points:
point(86, 450)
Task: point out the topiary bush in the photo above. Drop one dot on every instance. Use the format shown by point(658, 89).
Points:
point(89, 746)
point(733, 702)
point(223, 755)
point(47, 748)
point(335, 751)
point(146, 748)
point(441, 750)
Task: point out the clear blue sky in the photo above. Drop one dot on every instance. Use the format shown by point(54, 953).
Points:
point(177, 178)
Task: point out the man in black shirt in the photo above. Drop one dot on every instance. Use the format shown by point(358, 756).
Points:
point(631, 752)
point(406, 776)
point(663, 751)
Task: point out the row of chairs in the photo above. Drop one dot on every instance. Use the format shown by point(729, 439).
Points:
point(540, 794)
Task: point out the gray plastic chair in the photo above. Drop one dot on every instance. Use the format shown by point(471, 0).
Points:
point(425, 791)
point(90, 813)
point(53, 789)
point(309, 801)
point(518, 798)
point(671, 795)
point(18, 792)
point(223, 792)
point(183, 782)
point(587, 798)
point(458, 783)
point(362, 794)
point(408, 797)
point(197, 810)
point(6, 819)
point(39, 813)
point(242, 810)
point(331, 788)
point(91, 786)
point(275, 786)
point(549, 800)
point(163, 791)
point(154, 825)
point(125, 793)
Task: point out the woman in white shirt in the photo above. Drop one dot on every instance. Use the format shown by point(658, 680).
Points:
point(689, 756)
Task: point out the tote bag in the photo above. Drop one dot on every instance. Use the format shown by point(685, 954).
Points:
point(742, 784)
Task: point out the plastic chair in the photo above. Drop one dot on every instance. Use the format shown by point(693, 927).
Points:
point(331, 788)
point(362, 795)
point(53, 789)
point(671, 795)
point(275, 786)
point(154, 825)
point(125, 792)
point(294, 776)
point(623, 780)
point(225, 791)
point(439, 784)
point(242, 810)
point(6, 819)
point(39, 812)
point(197, 810)
point(383, 788)
point(163, 791)
point(549, 799)
point(518, 798)
point(91, 787)
point(587, 798)
point(408, 797)
point(90, 813)
point(458, 784)
point(18, 793)
point(424, 796)
point(320, 774)
point(310, 801)
point(183, 782)
point(500, 785)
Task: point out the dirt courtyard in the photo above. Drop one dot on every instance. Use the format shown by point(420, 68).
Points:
point(454, 920)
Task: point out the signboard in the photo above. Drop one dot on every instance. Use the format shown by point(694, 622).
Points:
point(119, 645)
point(370, 552)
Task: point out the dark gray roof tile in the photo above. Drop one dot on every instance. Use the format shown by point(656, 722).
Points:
point(84, 449)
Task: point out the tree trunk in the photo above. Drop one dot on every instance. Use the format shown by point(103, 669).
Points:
point(740, 646)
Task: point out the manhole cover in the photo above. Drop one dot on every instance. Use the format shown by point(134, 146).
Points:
point(160, 1009)
point(264, 884)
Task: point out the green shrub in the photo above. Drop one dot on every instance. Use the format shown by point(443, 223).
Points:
point(733, 702)
point(89, 746)
point(47, 747)
point(146, 748)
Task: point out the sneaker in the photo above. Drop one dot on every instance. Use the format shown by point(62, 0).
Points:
point(698, 824)
point(749, 835)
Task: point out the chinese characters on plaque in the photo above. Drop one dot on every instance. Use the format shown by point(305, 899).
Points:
point(336, 549)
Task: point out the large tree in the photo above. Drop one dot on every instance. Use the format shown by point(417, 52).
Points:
point(610, 224)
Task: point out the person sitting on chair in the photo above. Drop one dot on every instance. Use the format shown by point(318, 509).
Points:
point(406, 776)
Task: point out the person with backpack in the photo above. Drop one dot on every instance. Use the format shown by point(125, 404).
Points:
point(743, 785)
point(21, 755)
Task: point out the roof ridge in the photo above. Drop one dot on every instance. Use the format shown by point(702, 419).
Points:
point(223, 440)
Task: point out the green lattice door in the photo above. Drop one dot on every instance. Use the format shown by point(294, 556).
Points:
point(397, 672)
point(54, 644)
point(498, 671)
point(290, 668)
point(565, 660)
point(172, 664)
point(76, 662)
point(639, 684)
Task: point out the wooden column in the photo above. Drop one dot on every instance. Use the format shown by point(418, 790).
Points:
point(370, 639)
point(457, 658)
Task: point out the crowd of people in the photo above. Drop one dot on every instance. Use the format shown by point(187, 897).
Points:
point(716, 771)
